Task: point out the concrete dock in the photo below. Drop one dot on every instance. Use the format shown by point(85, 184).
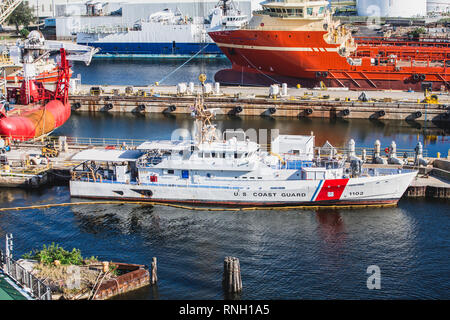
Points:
point(288, 102)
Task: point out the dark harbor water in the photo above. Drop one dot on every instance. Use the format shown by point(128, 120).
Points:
point(296, 254)
point(284, 254)
point(143, 72)
point(292, 254)
point(337, 132)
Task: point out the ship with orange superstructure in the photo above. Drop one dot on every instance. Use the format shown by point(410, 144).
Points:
point(299, 42)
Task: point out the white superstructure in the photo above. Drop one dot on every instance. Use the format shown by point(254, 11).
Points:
point(438, 6)
point(164, 33)
point(70, 17)
point(392, 8)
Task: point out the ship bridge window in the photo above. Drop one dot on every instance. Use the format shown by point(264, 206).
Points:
point(207, 155)
point(299, 12)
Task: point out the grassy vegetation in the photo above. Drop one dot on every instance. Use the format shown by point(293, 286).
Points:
point(49, 254)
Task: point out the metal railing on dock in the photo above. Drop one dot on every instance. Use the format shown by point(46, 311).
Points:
point(32, 285)
point(104, 141)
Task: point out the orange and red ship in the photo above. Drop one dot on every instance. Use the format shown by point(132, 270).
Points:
point(298, 42)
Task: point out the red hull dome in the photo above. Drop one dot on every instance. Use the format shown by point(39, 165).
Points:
point(35, 122)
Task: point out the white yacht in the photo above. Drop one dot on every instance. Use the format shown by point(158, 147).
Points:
point(234, 171)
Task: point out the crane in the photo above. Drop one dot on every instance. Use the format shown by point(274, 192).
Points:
point(7, 7)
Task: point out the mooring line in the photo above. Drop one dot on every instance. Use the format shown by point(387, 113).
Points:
point(52, 205)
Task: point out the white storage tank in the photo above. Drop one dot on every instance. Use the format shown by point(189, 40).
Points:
point(392, 8)
point(438, 6)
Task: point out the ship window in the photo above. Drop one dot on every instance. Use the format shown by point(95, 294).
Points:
point(213, 154)
point(235, 155)
point(207, 155)
point(170, 171)
point(320, 10)
point(252, 177)
point(259, 177)
point(309, 11)
point(208, 175)
point(200, 154)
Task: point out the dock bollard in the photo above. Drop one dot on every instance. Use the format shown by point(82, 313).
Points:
point(392, 159)
point(217, 88)
point(231, 280)
point(376, 154)
point(351, 150)
point(153, 272)
point(419, 160)
point(284, 91)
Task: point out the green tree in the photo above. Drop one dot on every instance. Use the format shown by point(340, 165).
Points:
point(21, 16)
point(417, 32)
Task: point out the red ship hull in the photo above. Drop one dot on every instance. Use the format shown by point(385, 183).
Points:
point(262, 57)
point(34, 122)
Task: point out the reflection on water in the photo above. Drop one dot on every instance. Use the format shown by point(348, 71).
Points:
point(331, 227)
point(142, 72)
point(286, 254)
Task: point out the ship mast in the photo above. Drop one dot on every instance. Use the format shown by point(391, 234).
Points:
point(205, 131)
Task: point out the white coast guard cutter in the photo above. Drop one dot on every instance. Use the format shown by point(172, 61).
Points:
point(235, 171)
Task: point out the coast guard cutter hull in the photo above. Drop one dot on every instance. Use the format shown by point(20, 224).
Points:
point(354, 191)
point(233, 171)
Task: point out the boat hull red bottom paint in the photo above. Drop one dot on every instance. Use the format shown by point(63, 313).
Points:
point(34, 122)
point(251, 77)
point(337, 203)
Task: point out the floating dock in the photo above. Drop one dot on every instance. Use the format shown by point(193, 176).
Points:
point(266, 101)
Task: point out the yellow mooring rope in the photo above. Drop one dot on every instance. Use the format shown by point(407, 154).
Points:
point(52, 205)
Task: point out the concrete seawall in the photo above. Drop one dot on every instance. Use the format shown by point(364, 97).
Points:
point(256, 101)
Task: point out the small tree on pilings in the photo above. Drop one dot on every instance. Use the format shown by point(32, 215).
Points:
point(21, 16)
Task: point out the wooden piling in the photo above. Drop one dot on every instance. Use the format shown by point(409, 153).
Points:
point(231, 280)
point(154, 275)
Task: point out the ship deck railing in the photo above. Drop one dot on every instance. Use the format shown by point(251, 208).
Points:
point(382, 41)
